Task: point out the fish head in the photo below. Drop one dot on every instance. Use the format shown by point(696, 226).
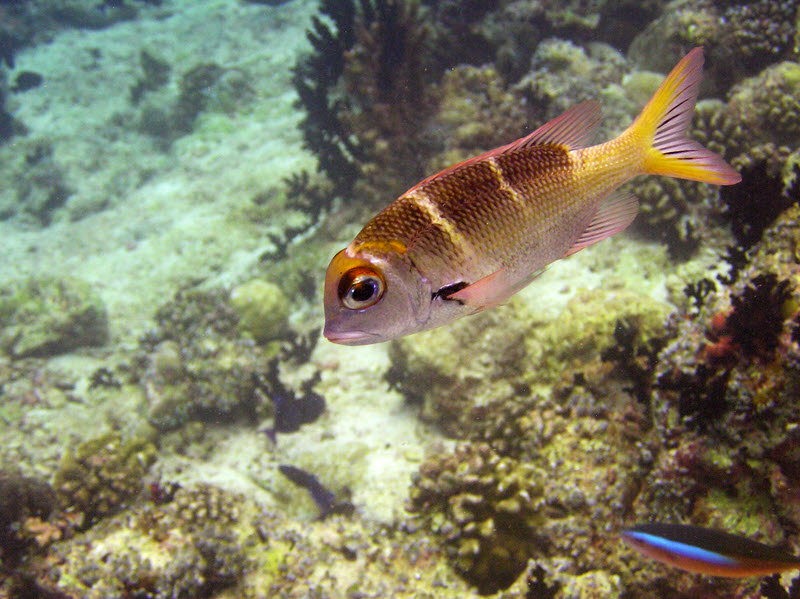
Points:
point(373, 293)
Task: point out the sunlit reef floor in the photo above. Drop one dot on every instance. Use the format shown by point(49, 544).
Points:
point(162, 481)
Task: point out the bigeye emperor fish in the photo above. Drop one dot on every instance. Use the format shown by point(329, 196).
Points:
point(708, 551)
point(471, 236)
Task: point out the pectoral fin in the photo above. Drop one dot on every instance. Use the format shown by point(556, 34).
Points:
point(492, 290)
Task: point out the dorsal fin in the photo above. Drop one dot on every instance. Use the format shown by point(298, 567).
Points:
point(573, 129)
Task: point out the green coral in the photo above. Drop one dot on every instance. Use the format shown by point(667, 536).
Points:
point(102, 475)
point(550, 497)
point(43, 316)
point(563, 73)
point(262, 309)
point(739, 37)
point(476, 112)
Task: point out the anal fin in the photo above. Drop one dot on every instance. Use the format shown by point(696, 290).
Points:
point(614, 214)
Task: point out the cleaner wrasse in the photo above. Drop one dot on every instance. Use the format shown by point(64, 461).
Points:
point(708, 551)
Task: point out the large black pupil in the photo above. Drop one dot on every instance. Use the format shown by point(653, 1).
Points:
point(363, 290)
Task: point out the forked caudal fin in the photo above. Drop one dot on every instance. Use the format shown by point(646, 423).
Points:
point(663, 125)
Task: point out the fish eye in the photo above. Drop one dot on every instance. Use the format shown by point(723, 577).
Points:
point(361, 288)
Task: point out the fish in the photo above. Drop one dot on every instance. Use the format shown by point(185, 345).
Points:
point(708, 551)
point(324, 498)
point(471, 236)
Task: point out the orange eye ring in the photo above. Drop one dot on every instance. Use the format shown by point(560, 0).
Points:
point(360, 288)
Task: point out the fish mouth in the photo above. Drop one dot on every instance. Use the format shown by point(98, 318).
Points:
point(350, 337)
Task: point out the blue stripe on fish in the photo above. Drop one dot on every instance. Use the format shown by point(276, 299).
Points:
point(683, 549)
point(708, 551)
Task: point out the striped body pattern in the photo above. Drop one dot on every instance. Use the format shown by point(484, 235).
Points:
point(521, 210)
point(471, 236)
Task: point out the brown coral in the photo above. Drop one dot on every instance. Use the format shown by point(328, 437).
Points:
point(490, 507)
point(102, 475)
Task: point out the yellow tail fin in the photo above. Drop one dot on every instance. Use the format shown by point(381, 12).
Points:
point(663, 125)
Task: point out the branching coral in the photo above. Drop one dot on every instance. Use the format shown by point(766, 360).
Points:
point(384, 79)
point(739, 37)
point(756, 32)
point(490, 512)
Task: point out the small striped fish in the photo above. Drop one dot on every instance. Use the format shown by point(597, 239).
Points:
point(708, 551)
point(474, 234)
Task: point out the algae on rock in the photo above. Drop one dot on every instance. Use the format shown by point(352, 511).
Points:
point(44, 316)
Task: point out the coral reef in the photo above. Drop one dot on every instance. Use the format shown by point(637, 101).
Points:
point(184, 549)
point(563, 73)
point(102, 475)
point(619, 409)
point(195, 365)
point(720, 404)
point(553, 493)
point(46, 316)
point(208, 542)
point(491, 508)
point(424, 371)
point(475, 112)
point(739, 37)
point(201, 360)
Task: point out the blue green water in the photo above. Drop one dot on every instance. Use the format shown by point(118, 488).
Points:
point(175, 177)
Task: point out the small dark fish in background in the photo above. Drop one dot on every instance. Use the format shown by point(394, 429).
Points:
point(291, 411)
point(324, 498)
point(25, 80)
point(708, 551)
